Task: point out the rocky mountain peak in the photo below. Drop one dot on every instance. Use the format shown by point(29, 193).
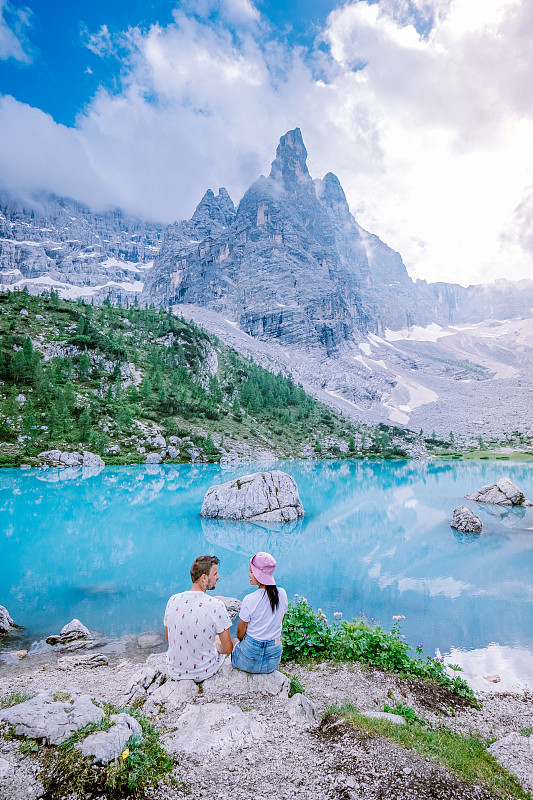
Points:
point(290, 165)
point(330, 192)
point(217, 208)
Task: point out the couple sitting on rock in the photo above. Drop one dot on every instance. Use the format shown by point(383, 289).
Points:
point(197, 626)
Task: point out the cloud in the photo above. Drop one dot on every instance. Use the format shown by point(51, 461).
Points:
point(100, 43)
point(14, 24)
point(421, 107)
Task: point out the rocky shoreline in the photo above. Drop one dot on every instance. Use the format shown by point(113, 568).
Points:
point(257, 741)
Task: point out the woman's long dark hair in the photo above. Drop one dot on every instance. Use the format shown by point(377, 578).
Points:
point(273, 596)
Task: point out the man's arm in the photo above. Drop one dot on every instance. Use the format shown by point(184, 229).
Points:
point(241, 629)
point(225, 645)
point(166, 634)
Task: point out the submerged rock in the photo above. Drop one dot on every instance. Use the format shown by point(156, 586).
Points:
point(502, 493)
point(465, 520)
point(262, 496)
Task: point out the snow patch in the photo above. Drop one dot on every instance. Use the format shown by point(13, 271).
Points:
point(417, 333)
point(365, 347)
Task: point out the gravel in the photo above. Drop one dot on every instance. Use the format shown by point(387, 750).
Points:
point(326, 759)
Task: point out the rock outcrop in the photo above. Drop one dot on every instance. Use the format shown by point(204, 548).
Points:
point(104, 746)
point(502, 493)
point(466, 521)
point(51, 721)
point(89, 661)
point(57, 458)
point(218, 727)
point(262, 497)
point(6, 623)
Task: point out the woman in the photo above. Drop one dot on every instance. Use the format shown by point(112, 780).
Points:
point(258, 648)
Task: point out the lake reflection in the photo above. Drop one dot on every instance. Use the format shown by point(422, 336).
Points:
point(110, 548)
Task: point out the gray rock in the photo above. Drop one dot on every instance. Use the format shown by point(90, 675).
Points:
point(174, 439)
point(92, 459)
point(141, 450)
point(262, 496)
point(147, 679)
point(171, 695)
point(74, 631)
point(233, 606)
point(89, 661)
point(214, 727)
point(51, 721)
point(5, 768)
point(104, 746)
point(113, 449)
point(173, 452)
point(301, 709)
point(228, 681)
point(153, 458)
point(23, 312)
point(503, 493)
point(6, 623)
point(159, 441)
point(396, 718)
point(20, 399)
point(515, 753)
point(50, 455)
point(465, 520)
point(71, 459)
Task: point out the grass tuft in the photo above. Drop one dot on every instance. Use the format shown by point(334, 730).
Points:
point(144, 762)
point(466, 756)
point(14, 699)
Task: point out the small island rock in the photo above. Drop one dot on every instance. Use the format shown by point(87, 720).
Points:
point(502, 493)
point(465, 520)
point(262, 496)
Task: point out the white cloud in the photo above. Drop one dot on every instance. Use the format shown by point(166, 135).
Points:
point(14, 23)
point(99, 43)
point(428, 132)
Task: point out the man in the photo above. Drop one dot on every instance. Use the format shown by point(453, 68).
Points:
point(197, 626)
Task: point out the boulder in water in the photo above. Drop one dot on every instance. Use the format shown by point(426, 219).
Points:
point(502, 493)
point(262, 496)
point(465, 520)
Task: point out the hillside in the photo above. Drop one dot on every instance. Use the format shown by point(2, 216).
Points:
point(109, 379)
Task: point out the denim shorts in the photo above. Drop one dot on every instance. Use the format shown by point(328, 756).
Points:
point(250, 655)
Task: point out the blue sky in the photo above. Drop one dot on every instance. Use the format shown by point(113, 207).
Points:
point(423, 108)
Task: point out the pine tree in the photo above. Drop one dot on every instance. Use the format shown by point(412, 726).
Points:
point(84, 425)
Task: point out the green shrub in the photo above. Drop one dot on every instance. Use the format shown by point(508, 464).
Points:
point(307, 635)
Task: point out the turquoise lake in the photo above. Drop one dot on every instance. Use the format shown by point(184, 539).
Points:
point(110, 548)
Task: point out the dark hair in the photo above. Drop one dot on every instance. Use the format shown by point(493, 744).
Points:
point(273, 596)
point(202, 566)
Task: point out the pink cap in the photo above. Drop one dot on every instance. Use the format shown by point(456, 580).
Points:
point(263, 566)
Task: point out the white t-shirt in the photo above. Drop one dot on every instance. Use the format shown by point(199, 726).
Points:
point(193, 619)
point(263, 625)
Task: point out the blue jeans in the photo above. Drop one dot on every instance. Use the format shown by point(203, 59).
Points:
point(250, 655)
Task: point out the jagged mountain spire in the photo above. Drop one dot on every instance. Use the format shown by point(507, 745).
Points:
point(218, 209)
point(290, 165)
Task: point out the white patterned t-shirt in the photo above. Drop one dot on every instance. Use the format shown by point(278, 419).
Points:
point(193, 619)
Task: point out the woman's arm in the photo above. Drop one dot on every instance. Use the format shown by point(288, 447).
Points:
point(241, 629)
